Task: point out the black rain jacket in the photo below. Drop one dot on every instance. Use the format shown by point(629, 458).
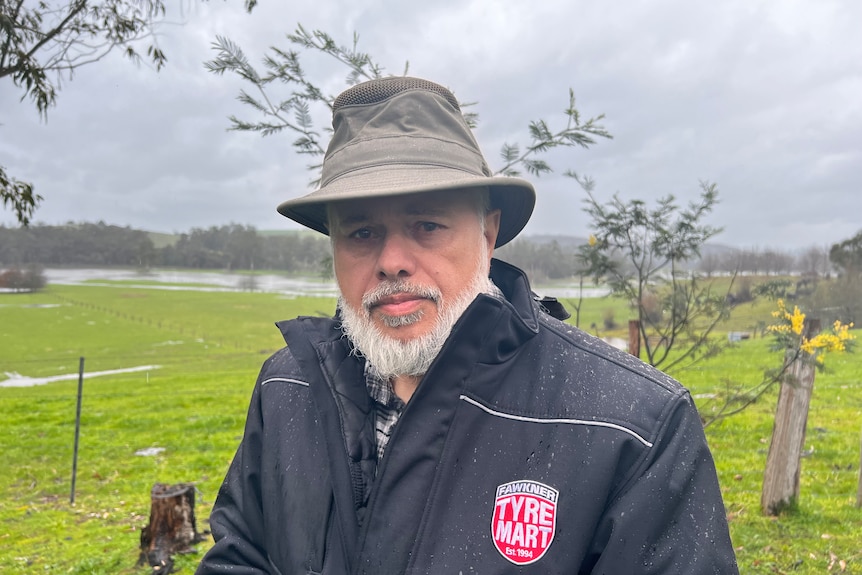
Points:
point(528, 447)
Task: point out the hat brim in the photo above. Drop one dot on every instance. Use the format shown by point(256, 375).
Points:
point(514, 197)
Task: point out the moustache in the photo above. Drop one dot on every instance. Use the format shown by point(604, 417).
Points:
point(398, 287)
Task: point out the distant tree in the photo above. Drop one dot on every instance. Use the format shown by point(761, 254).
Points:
point(837, 299)
point(231, 247)
point(242, 247)
point(841, 298)
point(847, 255)
point(814, 261)
point(776, 262)
point(709, 264)
point(639, 252)
point(75, 244)
point(749, 261)
point(541, 260)
point(42, 43)
point(34, 278)
point(729, 262)
point(291, 112)
point(278, 252)
point(522, 253)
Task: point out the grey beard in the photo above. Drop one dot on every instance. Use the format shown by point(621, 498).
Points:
point(389, 357)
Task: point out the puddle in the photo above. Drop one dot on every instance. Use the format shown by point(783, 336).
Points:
point(18, 380)
point(198, 281)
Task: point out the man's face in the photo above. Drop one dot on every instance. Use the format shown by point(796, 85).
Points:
point(408, 256)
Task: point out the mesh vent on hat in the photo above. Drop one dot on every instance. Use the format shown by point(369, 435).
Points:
point(379, 90)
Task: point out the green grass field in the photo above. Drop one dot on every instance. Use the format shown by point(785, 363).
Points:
point(209, 347)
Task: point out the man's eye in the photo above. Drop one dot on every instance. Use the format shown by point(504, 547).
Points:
point(428, 226)
point(362, 234)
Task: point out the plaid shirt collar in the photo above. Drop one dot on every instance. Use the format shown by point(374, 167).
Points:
point(381, 390)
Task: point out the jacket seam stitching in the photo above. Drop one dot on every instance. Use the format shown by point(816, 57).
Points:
point(284, 380)
point(559, 420)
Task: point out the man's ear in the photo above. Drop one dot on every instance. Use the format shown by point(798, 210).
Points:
point(492, 228)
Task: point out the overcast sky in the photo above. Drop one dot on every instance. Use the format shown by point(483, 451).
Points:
point(763, 98)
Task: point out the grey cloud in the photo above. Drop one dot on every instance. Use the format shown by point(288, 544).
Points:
point(760, 97)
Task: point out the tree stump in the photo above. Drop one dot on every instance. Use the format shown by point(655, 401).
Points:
point(172, 527)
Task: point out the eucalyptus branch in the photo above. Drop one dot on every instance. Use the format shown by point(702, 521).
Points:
point(42, 42)
point(285, 67)
point(542, 139)
point(357, 61)
point(50, 34)
point(231, 58)
point(19, 196)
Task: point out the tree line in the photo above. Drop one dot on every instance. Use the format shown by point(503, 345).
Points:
point(242, 247)
point(227, 247)
point(557, 258)
point(813, 261)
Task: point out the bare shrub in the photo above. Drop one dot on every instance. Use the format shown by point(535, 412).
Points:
point(28, 280)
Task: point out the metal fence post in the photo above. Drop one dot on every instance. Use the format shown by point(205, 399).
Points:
point(77, 429)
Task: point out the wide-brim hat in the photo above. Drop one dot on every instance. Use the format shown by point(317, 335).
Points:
point(401, 135)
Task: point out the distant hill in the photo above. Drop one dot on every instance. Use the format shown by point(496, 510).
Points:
point(161, 240)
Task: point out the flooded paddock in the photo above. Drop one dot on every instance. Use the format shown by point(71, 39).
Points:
point(182, 280)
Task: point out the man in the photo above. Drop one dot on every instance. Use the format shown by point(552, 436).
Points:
point(443, 422)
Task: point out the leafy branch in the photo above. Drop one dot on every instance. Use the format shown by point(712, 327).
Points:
point(42, 43)
point(543, 139)
point(18, 196)
point(292, 112)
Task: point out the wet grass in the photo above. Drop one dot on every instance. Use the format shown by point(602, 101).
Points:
point(824, 527)
point(210, 346)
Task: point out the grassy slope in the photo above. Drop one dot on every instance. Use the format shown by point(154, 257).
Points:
point(210, 346)
point(161, 240)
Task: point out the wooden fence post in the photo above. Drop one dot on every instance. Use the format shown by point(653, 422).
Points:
point(784, 459)
point(635, 337)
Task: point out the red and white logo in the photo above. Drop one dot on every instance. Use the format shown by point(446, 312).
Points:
point(525, 518)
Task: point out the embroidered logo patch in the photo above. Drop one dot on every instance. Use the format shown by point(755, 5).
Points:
point(525, 517)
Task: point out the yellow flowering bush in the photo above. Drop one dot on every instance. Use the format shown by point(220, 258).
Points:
point(789, 334)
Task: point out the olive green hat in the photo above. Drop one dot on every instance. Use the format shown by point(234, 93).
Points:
point(401, 135)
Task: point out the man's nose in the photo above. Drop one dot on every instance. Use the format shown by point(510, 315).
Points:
point(396, 258)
